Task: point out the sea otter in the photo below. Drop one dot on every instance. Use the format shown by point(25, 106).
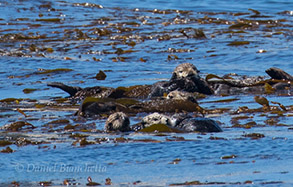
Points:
point(184, 78)
point(117, 121)
point(180, 121)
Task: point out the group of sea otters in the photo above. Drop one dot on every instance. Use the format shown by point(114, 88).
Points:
point(172, 102)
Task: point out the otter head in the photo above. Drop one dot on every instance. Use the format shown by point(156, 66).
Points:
point(178, 95)
point(117, 122)
point(185, 70)
point(155, 118)
point(182, 95)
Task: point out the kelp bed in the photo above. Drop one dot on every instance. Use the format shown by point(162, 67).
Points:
point(86, 44)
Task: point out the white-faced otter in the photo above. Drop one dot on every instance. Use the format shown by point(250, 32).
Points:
point(118, 121)
point(156, 118)
point(184, 78)
point(185, 70)
point(182, 95)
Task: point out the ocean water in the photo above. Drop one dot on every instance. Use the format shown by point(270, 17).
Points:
point(82, 37)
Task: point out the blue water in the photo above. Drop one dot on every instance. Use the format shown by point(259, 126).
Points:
point(264, 160)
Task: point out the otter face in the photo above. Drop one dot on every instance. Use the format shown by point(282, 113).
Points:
point(185, 70)
point(182, 95)
point(178, 95)
point(117, 122)
point(156, 118)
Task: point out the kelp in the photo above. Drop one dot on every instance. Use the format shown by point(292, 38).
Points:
point(229, 156)
point(29, 90)
point(254, 136)
point(127, 101)
point(59, 121)
point(175, 161)
point(101, 75)
point(20, 111)
point(123, 28)
point(280, 105)
point(223, 100)
point(49, 20)
point(147, 140)
point(10, 100)
point(193, 183)
point(58, 70)
point(91, 5)
point(78, 136)
point(45, 183)
point(238, 43)
point(240, 26)
point(269, 89)
point(5, 143)
point(17, 126)
point(262, 101)
point(7, 150)
point(83, 142)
